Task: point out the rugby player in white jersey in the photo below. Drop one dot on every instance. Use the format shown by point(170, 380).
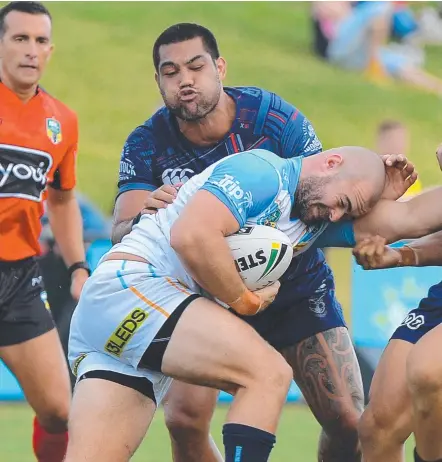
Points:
point(141, 319)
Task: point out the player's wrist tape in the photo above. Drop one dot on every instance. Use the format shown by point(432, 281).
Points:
point(247, 303)
point(78, 265)
point(408, 256)
point(136, 219)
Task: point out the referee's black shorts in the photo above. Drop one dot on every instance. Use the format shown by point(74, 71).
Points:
point(24, 308)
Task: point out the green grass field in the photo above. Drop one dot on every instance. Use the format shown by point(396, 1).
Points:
point(296, 440)
point(102, 68)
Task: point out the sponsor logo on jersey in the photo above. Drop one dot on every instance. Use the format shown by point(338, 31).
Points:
point(276, 255)
point(125, 331)
point(231, 186)
point(312, 143)
point(250, 261)
point(173, 176)
point(127, 169)
point(23, 172)
point(53, 130)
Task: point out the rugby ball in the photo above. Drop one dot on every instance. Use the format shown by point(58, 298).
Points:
point(262, 254)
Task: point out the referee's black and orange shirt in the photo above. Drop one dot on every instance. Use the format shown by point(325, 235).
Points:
point(38, 147)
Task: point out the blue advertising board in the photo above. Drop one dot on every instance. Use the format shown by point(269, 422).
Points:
point(381, 300)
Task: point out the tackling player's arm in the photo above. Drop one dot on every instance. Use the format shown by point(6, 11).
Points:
point(127, 206)
point(428, 250)
point(136, 184)
point(390, 219)
point(417, 217)
point(233, 192)
point(374, 254)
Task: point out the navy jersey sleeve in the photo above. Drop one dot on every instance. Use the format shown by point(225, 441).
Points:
point(299, 137)
point(294, 132)
point(340, 234)
point(246, 183)
point(136, 162)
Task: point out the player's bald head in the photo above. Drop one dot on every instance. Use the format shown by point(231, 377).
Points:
point(341, 181)
point(360, 164)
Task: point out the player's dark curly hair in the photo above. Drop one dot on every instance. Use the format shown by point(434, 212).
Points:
point(182, 32)
point(22, 7)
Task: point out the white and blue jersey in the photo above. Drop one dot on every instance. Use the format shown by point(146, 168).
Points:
point(258, 187)
point(156, 153)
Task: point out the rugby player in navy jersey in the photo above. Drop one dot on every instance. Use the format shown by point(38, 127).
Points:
point(407, 385)
point(201, 123)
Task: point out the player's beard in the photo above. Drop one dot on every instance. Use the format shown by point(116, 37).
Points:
point(308, 201)
point(196, 110)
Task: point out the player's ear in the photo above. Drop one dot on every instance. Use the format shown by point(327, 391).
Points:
point(157, 79)
point(333, 161)
point(221, 67)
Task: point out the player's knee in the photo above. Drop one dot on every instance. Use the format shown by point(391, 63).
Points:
point(344, 423)
point(424, 375)
point(54, 418)
point(185, 422)
point(275, 375)
point(375, 423)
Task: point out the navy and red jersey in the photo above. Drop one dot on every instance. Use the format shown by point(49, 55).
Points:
point(157, 153)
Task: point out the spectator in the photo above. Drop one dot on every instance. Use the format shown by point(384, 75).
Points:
point(355, 36)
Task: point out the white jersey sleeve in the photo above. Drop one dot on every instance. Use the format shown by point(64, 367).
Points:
point(246, 183)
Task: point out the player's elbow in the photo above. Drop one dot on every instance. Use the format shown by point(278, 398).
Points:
point(185, 239)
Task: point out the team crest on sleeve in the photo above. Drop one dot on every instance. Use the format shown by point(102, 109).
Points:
point(53, 130)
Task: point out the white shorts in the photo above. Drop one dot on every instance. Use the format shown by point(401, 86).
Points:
point(122, 308)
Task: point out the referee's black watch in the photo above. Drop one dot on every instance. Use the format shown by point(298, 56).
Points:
point(78, 265)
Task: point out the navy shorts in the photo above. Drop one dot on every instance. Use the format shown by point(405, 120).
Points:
point(305, 306)
point(424, 318)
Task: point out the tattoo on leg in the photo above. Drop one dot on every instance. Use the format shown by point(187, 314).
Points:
point(326, 370)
